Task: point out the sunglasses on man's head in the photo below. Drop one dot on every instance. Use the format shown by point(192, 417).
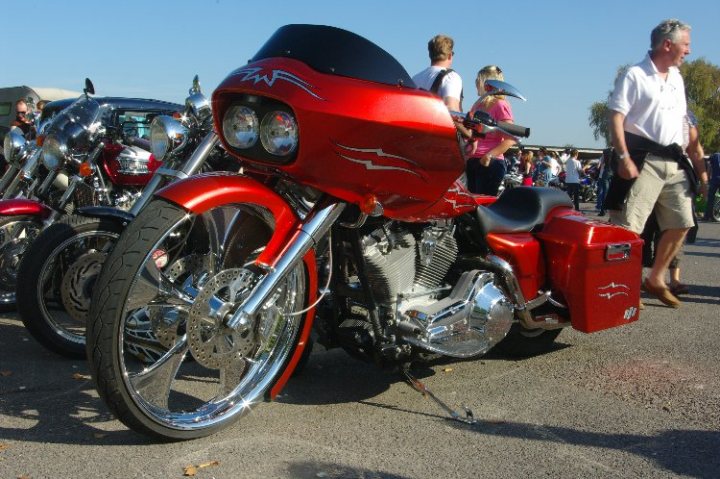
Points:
point(22, 113)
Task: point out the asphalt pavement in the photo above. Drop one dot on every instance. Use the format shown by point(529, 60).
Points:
point(642, 400)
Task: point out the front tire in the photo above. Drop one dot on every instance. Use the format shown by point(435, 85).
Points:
point(56, 278)
point(177, 275)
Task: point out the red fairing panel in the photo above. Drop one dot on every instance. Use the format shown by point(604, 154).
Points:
point(456, 201)
point(25, 207)
point(358, 138)
point(203, 192)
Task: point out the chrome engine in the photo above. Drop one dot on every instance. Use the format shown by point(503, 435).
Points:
point(407, 273)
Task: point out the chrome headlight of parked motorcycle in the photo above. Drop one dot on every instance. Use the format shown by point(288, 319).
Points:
point(279, 133)
point(54, 151)
point(13, 146)
point(167, 135)
point(199, 105)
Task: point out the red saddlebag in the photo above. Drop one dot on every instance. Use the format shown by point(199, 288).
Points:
point(597, 267)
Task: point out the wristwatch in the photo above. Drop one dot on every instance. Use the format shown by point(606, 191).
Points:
point(622, 156)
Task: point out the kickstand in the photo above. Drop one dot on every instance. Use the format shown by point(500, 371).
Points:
point(417, 385)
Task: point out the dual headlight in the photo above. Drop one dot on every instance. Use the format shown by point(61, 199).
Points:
point(167, 135)
point(277, 131)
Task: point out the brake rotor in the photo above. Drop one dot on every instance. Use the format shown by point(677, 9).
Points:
point(213, 344)
point(77, 282)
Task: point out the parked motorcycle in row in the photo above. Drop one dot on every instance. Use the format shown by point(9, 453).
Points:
point(88, 158)
point(359, 230)
point(56, 276)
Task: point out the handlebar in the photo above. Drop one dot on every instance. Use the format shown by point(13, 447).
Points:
point(482, 123)
point(513, 129)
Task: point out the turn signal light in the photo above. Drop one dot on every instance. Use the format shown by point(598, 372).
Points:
point(370, 206)
point(86, 169)
point(40, 140)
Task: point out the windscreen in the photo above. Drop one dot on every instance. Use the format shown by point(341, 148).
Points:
point(337, 52)
point(83, 113)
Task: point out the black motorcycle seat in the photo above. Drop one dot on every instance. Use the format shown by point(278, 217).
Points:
point(520, 209)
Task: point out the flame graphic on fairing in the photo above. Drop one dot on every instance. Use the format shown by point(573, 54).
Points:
point(374, 163)
point(459, 192)
point(256, 75)
point(616, 290)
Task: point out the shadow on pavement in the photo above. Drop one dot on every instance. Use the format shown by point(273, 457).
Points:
point(313, 470)
point(687, 452)
point(684, 452)
point(50, 399)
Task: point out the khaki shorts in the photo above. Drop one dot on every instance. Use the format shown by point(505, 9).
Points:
point(663, 186)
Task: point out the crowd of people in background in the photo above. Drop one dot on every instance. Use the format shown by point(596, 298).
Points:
point(645, 181)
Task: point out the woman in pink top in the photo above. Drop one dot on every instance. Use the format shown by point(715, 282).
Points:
point(486, 164)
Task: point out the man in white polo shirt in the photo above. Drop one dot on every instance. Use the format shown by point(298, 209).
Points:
point(646, 120)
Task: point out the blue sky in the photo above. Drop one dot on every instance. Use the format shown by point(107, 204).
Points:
point(562, 55)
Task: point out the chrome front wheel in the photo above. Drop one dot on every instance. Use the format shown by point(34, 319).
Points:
point(177, 277)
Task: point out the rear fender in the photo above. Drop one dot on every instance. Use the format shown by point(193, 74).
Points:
point(203, 192)
point(24, 207)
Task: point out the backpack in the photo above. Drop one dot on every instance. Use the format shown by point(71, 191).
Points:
point(435, 87)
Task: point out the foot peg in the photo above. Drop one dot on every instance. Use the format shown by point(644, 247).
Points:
point(420, 387)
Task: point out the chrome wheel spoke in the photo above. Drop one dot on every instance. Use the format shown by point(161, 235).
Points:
point(153, 287)
point(154, 383)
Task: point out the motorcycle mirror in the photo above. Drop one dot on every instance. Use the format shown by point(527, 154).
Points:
point(498, 87)
point(195, 89)
point(89, 87)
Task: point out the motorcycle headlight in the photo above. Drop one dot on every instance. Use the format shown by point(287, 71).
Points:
point(279, 133)
point(199, 105)
point(167, 135)
point(53, 152)
point(240, 126)
point(13, 146)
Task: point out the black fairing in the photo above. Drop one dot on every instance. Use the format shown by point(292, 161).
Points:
point(335, 51)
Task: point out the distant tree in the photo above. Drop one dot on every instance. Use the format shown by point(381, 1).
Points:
point(701, 85)
point(599, 113)
point(599, 121)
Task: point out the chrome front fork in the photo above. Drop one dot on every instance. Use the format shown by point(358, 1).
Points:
point(315, 226)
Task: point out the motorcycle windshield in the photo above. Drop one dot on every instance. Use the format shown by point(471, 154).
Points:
point(337, 52)
point(68, 133)
point(82, 113)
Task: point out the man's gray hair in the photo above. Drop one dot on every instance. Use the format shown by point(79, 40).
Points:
point(667, 30)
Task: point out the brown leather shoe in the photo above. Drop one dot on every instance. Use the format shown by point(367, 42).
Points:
point(679, 288)
point(661, 293)
point(641, 306)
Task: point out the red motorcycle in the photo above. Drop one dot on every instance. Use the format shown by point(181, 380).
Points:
point(359, 230)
